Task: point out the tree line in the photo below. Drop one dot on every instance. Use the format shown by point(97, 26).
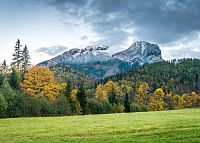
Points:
point(27, 90)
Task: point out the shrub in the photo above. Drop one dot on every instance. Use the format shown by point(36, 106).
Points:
point(108, 108)
point(118, 108)
point(144, 108)
point(46, 107)
point(135, 107)
point(95, 107)
point(63, 106)
point(3, 106)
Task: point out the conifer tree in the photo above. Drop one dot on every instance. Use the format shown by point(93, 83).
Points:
point(67, 90)
point(82, 99)
point(17, 56)
point(4, 68)
point(127, 103)
point(112, 97)
point(25, 61)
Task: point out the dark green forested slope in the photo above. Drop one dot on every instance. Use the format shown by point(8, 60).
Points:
point(177, 76)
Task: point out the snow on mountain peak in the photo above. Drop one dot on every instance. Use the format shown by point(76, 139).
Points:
point(142, 51)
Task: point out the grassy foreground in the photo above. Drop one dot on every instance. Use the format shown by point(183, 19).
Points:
point(181, 126)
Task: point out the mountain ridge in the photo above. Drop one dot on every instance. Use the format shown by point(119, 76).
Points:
point(96, 61)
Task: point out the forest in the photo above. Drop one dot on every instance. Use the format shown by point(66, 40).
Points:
point(27, 90)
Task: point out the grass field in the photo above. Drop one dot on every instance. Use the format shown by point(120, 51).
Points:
point(180, 126)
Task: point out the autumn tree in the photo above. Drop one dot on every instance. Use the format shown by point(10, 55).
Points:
point(168, 101)
point(141, 96)
point(103, 92)
point(17, 56)
point(194, 99)
point(156, 100)
point(186, 100)
point(74, 103)
point(39, 81)
point(178, 102)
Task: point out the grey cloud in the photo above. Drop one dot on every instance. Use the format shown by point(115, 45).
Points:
point(52, 51)
point(157, 21)
point(84, 37)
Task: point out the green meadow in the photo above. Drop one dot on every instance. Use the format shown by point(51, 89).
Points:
point(177, 126)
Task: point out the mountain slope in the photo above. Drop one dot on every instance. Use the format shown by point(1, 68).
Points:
point(143, 52)
point(96, 61)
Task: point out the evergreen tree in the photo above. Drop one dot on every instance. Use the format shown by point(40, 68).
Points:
point(25, 61)
point(13, 80)
point(17, 56)
point(63, 106)
point(67, 91)
point(112, 97)
point(3, 106)
point(4, 68)
point(82, 99)
point(127, 103)
point(1, 80)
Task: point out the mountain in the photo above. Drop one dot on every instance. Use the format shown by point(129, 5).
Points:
point(143, 52)
point(96, 61)
point(80, 56)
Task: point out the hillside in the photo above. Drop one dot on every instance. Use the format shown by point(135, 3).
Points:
point(176, 76)
point(149, 127)
point(96, 62)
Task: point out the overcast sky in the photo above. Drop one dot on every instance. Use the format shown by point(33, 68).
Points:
point(50, 27)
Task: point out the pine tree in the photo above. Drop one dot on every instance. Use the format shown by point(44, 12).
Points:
point(82, 99)
point(68, 89)
point(25, 61)
point(1, 80)
point(4, 68)
point(112, 97)
point(127, 103)
point(17, 56)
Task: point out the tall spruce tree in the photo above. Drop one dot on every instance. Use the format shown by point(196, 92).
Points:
point(25, 61)
point(17, 56)
point(82, 99)
point(4, 68)
point(112, 97)
point(127, 103)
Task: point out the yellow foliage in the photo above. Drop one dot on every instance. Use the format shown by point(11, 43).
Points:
point(156, 102)
point(73, 94)
point(39, 81)
point(102, 91)
point(142, 93)
point(178, 102)
point(194, 99)
point(187, 100)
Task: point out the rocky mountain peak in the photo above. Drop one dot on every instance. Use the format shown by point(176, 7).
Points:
point(142, 51)
point(96, 61)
